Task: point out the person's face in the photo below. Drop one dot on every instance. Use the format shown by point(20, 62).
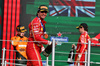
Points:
point(22, 33)
point(42, 14)
point(81, 30)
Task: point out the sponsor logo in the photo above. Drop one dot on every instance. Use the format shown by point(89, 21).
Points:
point(59, 40)
point(22, 45)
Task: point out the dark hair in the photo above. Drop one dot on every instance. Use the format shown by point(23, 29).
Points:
point(85, 26)
point(37, 12)
point(86, 29)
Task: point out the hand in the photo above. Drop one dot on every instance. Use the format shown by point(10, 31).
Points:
point(78, 60)
point(46, 36)
point(94, 39)
point(73, 45)
point(55, 44)
point(50, 43)
point(42, 49)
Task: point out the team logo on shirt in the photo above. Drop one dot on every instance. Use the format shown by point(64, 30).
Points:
point(22, 45)
point(41, 29)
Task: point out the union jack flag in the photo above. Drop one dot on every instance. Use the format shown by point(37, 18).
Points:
point(72, 8)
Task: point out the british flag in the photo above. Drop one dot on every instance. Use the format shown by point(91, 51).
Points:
point(72, 8)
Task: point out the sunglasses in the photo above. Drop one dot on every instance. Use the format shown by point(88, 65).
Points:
point(43, 11)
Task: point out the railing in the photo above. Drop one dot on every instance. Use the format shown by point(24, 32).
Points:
point(87, 56)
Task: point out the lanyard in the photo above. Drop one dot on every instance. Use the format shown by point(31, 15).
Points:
point(42, 24)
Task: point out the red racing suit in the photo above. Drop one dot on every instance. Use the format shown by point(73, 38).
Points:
point(33, 50)
point(81, 48)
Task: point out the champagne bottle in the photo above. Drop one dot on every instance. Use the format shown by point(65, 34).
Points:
point(71, 56)
point(47, 50)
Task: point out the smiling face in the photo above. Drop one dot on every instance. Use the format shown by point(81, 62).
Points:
point(22, 34)
point(42, 14)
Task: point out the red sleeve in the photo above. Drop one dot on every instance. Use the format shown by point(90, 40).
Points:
point(35, 26)
point(83, 40)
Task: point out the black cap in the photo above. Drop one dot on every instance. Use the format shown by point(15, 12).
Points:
point(43, 8)
point(21, 28)
point(84, 25)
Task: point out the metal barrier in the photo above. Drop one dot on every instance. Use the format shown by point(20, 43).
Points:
point(89, 47)
point(53, 53)
point(47, 59)
point(3, 56)
point(87, 58)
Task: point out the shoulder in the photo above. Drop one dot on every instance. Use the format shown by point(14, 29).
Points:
point(32, 22)
point(86, 34)
point(25, 38)
point(35, 20)
point(83, 35)
point(15, 38)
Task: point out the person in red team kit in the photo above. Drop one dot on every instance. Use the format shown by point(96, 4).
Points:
point(81, 47)
point(36, 41)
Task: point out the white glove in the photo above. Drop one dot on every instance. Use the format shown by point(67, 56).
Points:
point(49, 42)
point(42, 49)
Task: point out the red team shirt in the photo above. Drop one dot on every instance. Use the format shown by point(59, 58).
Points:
point(81, 47)
point(36, 29)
